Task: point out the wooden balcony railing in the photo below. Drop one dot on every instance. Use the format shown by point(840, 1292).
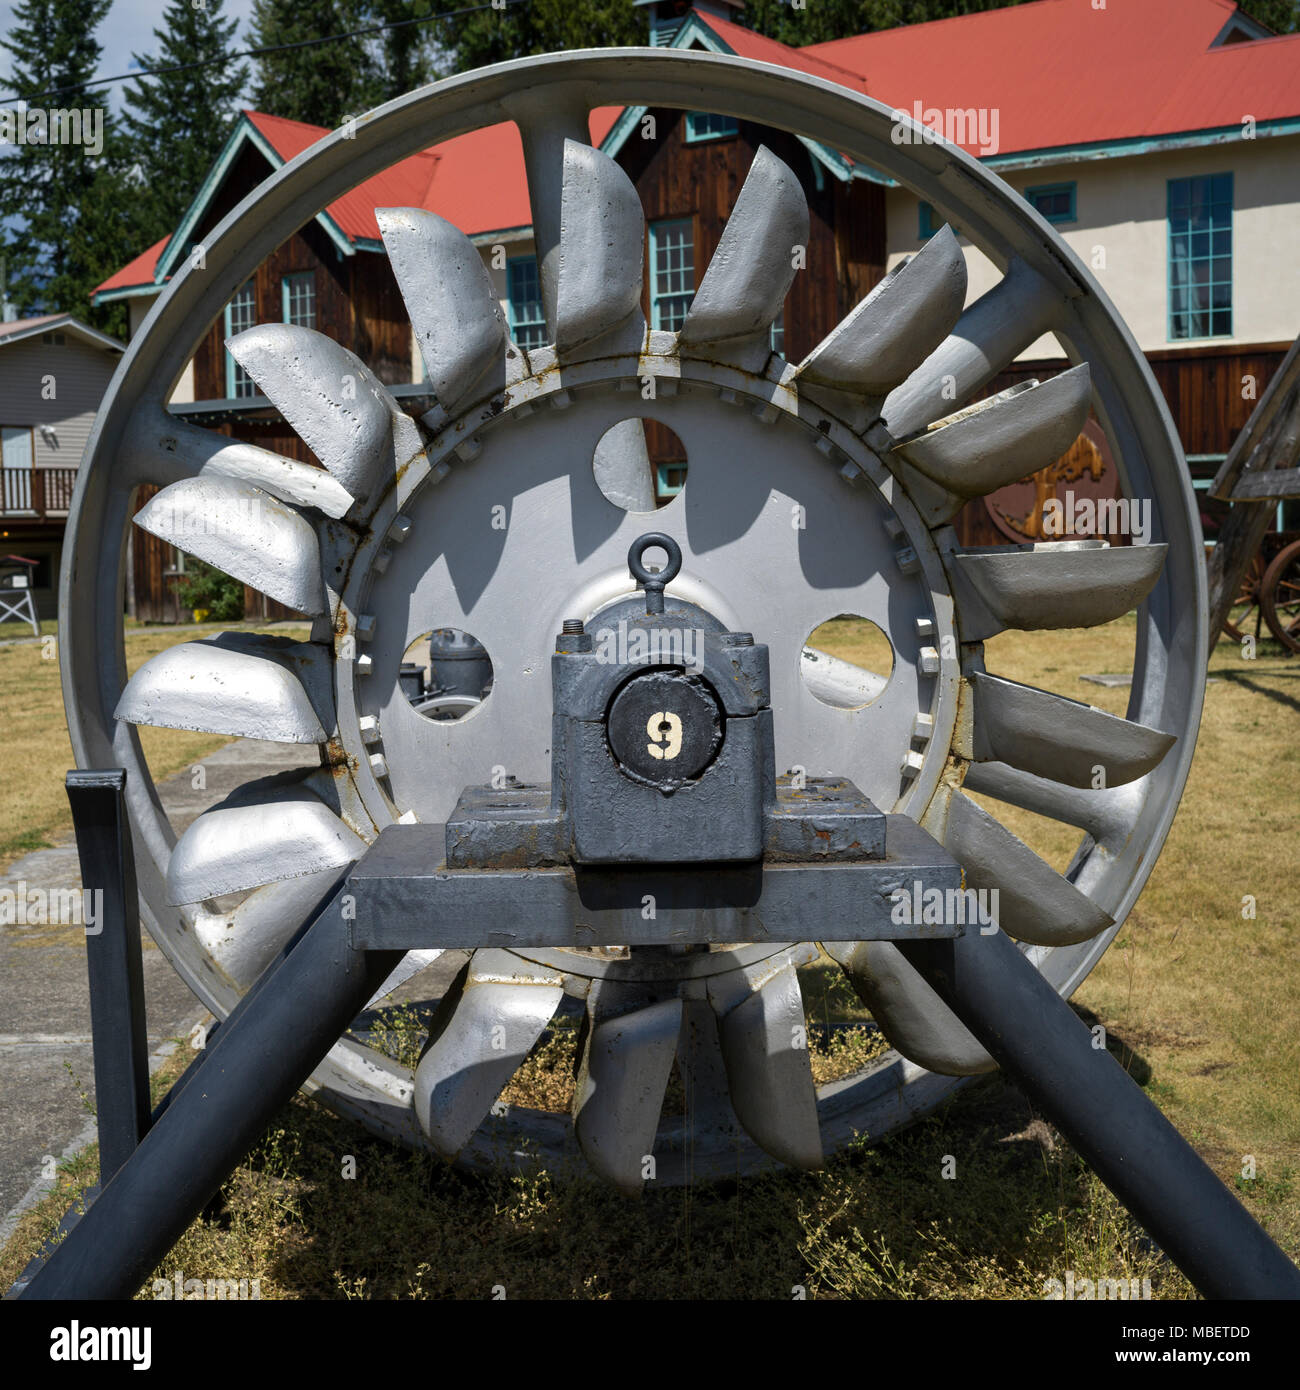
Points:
point(37, 492)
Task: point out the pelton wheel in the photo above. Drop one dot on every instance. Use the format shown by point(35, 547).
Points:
point(866, 441)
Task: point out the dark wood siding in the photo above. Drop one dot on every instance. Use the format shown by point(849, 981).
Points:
point(357, 302)
point(153, 589)
point(846, 237)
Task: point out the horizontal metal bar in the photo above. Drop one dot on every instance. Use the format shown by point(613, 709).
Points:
point(404, 898)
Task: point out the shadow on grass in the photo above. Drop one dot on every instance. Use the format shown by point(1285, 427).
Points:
point(1240, 678)
point(981, 1200)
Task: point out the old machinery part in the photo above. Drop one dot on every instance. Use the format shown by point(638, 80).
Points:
point(1279, 596)
point(814, 488)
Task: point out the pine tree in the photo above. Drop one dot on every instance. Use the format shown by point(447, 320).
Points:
point(401, 57)
point(177, 122)
point(1281, 16)
point(538, 26)
point(323, 83)
point(821, 20)
point(52, 194)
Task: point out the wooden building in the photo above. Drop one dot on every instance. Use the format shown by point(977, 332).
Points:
point(54, 371)
point(1188, 230)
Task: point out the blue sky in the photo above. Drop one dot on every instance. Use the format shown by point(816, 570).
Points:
point(129, 27)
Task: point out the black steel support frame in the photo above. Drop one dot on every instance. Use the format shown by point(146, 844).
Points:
point(113, 964)
point(305, 999)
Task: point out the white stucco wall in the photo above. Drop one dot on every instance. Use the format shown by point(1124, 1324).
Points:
point(1122, 235)
point(137, 308)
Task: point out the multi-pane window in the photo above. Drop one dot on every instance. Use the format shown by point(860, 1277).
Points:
point(708, 125)
point(241, 313)
point(1200, 257)
point(672, 273)
point(1054, 201)
point(524, 302)
point(298, 296)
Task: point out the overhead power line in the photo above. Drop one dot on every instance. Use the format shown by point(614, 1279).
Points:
point(259, 52)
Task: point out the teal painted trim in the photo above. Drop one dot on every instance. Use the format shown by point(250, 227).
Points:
point(216, 175)
point(230, 361)
point(1138, 144)
point(126, 292)
point(1111, 149)
point(696, 135)
point(244, 132)
point(501, 234)
point(924, 221)
point(694, 29)
point(663, 488)
point(1051, 190)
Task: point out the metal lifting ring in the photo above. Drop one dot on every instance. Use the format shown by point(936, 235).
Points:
point(654, 582)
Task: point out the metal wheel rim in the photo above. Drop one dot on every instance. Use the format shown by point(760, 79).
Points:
point(1171, 641)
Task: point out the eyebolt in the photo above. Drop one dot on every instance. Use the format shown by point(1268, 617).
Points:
point(654, 584)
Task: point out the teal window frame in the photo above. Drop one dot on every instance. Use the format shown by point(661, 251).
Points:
point(663, 488)
point(1199, 258)
point(299, 279)
point(776, 334)
point(709, 125)
point(669, 272)
point(240, 314)
point(525, 312)
point(925, 227)
point(1054, 190)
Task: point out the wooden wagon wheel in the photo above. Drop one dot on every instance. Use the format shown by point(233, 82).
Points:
point(1247, 600)
point(1279, 596)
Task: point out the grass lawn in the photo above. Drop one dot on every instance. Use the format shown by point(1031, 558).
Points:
point(1197, 1000)
point(33, 805)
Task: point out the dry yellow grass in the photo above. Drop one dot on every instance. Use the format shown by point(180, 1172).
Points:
point(1202, 995)
point(1200, 999)
point(33, 804)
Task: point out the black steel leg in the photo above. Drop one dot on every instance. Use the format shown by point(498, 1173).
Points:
point(1043, 1046)
point(252, 1068)
point(117, 1019)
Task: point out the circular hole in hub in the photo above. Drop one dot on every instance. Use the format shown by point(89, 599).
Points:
point(847, 662)
point(446, 674)
point(639, 464)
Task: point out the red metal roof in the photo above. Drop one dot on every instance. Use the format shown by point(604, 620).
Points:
point(138, 271)
point(1061, 73)
point(475, 181)
point(1057, 72)
point(747, 44)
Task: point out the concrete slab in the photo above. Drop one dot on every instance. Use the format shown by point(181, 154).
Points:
point(45, 1054)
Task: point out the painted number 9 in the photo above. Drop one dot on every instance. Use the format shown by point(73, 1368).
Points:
point(665, 730)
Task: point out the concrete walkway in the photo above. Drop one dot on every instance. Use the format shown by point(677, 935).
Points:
point(213, 629)
point(45, 1052)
